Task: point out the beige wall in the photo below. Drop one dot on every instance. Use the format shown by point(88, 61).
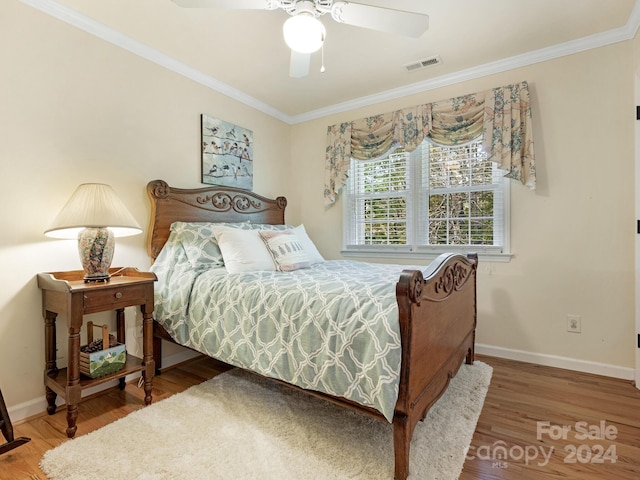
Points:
point(572, 238)
point(76, 109)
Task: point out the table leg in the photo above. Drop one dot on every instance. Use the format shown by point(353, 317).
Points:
point(51, 368)
point(147, 351)
point(120, 337)
point(51, 396)
point(74, 391)
point(120, 327)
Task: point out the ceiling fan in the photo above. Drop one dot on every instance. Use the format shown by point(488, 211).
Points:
point(305, 34)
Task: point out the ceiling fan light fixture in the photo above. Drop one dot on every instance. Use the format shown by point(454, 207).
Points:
point(304, 33)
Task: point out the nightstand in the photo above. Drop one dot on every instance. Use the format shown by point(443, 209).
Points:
point(66, 293)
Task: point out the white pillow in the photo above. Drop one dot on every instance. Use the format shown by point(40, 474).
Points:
point(243, 250)
point(309, 247)
point(285, 248)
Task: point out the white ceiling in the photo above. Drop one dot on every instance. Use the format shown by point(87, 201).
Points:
point(242, 53)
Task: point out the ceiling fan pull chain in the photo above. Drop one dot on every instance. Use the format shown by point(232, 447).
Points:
point(322, 53)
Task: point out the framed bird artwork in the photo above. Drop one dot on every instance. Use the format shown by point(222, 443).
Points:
point(227, 153)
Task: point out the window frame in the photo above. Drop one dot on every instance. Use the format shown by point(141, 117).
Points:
point(413, 250)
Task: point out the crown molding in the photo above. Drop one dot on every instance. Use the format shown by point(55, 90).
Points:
point(108, 34)
point(91, 26)
point(536, 56)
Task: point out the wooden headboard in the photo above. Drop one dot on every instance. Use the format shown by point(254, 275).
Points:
point(209, 204)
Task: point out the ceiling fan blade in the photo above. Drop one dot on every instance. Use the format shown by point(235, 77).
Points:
point(409, 24)
point(231, 4)
point(300, 63)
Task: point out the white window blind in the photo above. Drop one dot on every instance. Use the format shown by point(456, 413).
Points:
point(464, 194)
point(437, 198)
point(381, 200)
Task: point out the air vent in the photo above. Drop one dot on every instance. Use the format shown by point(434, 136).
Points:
point(418, 64)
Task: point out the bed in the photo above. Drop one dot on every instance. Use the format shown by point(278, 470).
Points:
point(433, 314)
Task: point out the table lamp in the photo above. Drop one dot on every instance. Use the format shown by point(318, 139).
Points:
point(95, 216)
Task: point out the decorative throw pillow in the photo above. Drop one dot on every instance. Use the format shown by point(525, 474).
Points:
point(286, 249)
point(243, 250)
point(199, 241)
point(309, 246)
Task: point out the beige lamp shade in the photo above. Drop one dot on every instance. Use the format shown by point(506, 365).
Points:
point(93, 205)
point(95, 216)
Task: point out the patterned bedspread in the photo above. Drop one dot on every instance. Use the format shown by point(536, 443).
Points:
point(332, 327)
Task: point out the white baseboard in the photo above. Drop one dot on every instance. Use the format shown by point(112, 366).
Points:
point(585, 366)
point(38, 406)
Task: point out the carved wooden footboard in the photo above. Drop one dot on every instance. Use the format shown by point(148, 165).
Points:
point(437, 309)
point(437, 316)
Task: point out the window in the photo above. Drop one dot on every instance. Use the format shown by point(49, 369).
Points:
point(435, 199)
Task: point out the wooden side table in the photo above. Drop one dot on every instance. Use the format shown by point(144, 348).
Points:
point(67, 294)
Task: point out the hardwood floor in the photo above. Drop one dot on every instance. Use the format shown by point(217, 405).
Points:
point(554, 424)
point(525, 411)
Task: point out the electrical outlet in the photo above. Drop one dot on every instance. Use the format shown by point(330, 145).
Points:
point(574, 323)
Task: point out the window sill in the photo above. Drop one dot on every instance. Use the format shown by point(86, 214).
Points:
point(406, 255)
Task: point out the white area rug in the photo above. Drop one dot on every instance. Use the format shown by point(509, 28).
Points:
point(240, 426)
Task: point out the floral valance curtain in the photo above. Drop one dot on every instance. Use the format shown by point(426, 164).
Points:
point(502, 115)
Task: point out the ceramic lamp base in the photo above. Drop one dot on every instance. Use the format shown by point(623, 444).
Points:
point(96, 246)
